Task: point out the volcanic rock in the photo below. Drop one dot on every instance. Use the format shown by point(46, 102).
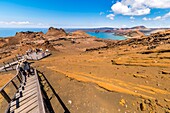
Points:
point(130, 33)
point(56, 32)
point(2, 43)
point(139, 27)
point(80, 33)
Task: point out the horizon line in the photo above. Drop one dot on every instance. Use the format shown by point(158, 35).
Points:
point(79, 27)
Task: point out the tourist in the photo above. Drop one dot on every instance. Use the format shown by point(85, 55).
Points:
point(41, 50)
point(47, 50)
point(26, 67)
point(22, 71)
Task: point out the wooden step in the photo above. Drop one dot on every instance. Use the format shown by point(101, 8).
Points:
point(35, 110)
point(27, 96)
point(28, 87)
point(25, 92)
point(28, 84)
point(27, 107)
point(16, 104)
point(31, 77)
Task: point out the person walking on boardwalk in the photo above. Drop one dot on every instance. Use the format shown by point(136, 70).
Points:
point(26, 67)
point(22, 71)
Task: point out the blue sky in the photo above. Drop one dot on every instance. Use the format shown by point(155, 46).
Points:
point(87, 13)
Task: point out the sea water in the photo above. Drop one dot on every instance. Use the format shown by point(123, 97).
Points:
point(105, 35)
point(6, 32)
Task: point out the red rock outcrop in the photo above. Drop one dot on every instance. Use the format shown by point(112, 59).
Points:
point(139, 27)
point(80, 33)
point(2, 43)
point(130, 33)
point(56, 32)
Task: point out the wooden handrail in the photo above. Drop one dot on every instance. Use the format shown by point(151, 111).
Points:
point(10, 64)
point(9, 82)
point(40, 97)
point(2, 91)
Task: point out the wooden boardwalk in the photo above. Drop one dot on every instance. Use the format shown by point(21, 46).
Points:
point(29, 98)
point(10, 66)
point(37, 56)
point(31, 56)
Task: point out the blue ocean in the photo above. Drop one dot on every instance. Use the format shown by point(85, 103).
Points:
point(105, 35)
point(6, 32)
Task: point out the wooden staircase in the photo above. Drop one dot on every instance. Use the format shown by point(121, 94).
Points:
point(28, 99)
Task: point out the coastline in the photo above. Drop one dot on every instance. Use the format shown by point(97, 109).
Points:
point(6, 32)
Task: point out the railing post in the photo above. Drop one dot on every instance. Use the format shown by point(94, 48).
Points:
point(14, 85)
point(4, 66)
point(31, 58)
point(17, 58)
point(19, 78)
point(13, 59)
point(10, 66)
point(4, 94)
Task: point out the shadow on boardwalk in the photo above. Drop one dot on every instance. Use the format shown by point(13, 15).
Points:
point(47, 100)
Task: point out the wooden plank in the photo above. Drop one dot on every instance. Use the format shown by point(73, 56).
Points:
point(30, 83)
point(26, 96)
point(28, 87)
point(17, 104)
point(31, 109)
point(35, 110)
point(25, 92)
point(31, 78)
point(27, 107)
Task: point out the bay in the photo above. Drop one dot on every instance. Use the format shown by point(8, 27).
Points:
point(105, 35)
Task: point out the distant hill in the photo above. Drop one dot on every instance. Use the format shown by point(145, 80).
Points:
point(139, 27)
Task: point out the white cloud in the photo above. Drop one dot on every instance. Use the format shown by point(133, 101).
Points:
point(110, 16)
point(132, 18)
point(124, 9)
point(166, 15)
point(40, 24)
point(156, 3)
point(158, 17)
point(101, 13)
point(120, 8)
point(138, 7)
point(124, 26)
point(146, 19)
point(15, 23)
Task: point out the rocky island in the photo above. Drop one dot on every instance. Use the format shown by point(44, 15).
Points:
point(129, 76)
